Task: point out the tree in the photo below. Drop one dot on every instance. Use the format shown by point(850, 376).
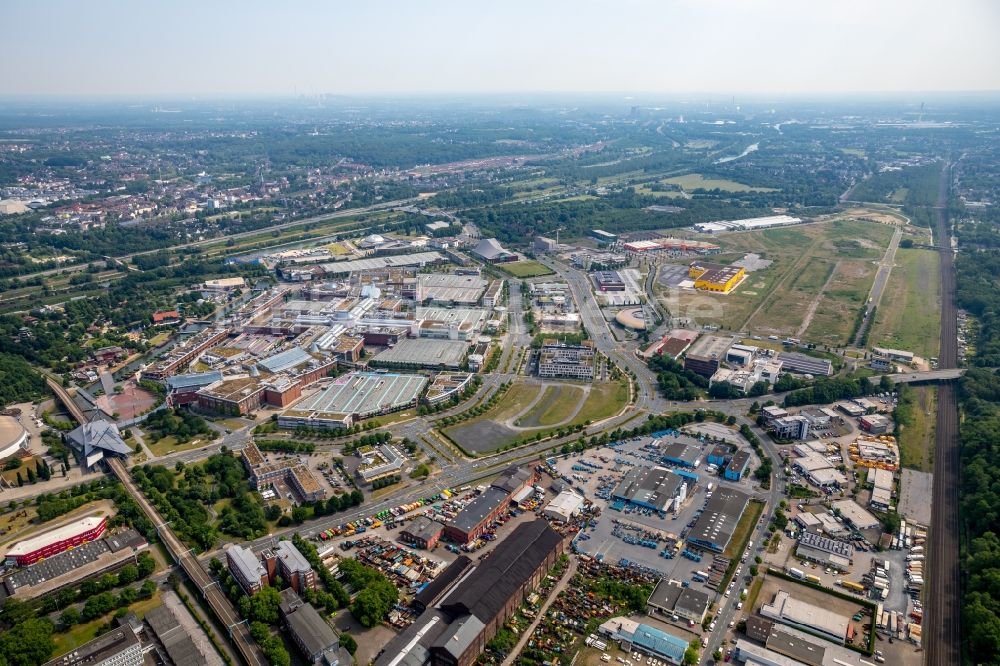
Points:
point(691, 656)
point(348, 643)
point(264, 606)
point(69, 617)
point(128, 574)
point(27, 643)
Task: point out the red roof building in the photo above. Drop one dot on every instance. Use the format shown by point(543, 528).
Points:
point(56, 541)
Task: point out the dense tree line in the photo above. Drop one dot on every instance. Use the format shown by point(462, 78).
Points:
point(377, 594)
point(674, 381)
point(19, 382)
point(980, 514)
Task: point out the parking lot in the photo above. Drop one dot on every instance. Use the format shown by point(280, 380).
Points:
point(633, 533)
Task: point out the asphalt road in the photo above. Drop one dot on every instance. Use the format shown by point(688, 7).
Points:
point(942, 625)
point(878, 286)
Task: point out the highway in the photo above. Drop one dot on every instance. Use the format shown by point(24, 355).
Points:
point(942, 621)
point(216, 598)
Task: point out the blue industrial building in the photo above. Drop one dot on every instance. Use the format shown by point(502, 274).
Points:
point(682, 454)
point(738, 466)
point(718, 455)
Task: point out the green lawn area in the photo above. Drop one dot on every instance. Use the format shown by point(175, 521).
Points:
point(899, 196)
point(918, 412)
point(87, 631)
point(525, 269)
point(738, 543)
point(159, 338)
point(776, 300)
point(696, 181)
point(169, 445)
point(605, 400)
point(557, 404)
point(909, 315)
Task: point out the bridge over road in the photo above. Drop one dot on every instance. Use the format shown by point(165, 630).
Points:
point(928, 377)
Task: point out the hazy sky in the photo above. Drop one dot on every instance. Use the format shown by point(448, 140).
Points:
point(225, 47)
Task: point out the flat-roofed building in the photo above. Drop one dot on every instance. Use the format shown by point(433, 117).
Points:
point(246, 568)
point(855, 514)
point(805, 364)
point(790, 427)
point(789, 610)
point(118, 647)
point(650, 487)
point(443, 354)
point(825, 551)
point(608, 281)
point(681, 453)
point(233, 396)
point(493, 295)
point(715, 526)
point(705, 355)
point(558, 359)
point(565, 505)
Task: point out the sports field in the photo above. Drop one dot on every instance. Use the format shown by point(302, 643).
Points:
point(909, 316)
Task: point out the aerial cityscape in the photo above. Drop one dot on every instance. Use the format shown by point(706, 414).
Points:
point(407, 366)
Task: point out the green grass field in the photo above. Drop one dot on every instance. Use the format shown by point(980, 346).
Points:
point(525, 269)
point(88, 631)
point(916, 438)
point(909, 316)
point(776, 300)
point(696, 181)
point(605, 400)
point(170, 445)
point(556, 405)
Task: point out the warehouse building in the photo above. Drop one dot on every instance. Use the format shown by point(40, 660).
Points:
point(470, 612)
point(565, 505)
point(422, 533)
point(56, 540)
point(173, 644)
point(825, 551)
point(715, 526)
point(441, 354)
point(882, 483)
point(855, 515)
point(895, 354)
point(608, 281)
point(802, 615)
point(739, 466)
point(715, 277)
point(632, 635)
point(313, 635)
point(669, 598)
point(875, 424)
point(804, 364)
point(87, 560)
point(472, 520)
point(436, 589)
point(705, 355)
point(681, 454)
point(603, 237)
point(653, 488)
point(354, 396)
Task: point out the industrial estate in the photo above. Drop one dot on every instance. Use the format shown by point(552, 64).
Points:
point(589, 403)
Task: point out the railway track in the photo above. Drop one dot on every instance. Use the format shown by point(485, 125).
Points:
point(209, 589)
point(942, 628)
